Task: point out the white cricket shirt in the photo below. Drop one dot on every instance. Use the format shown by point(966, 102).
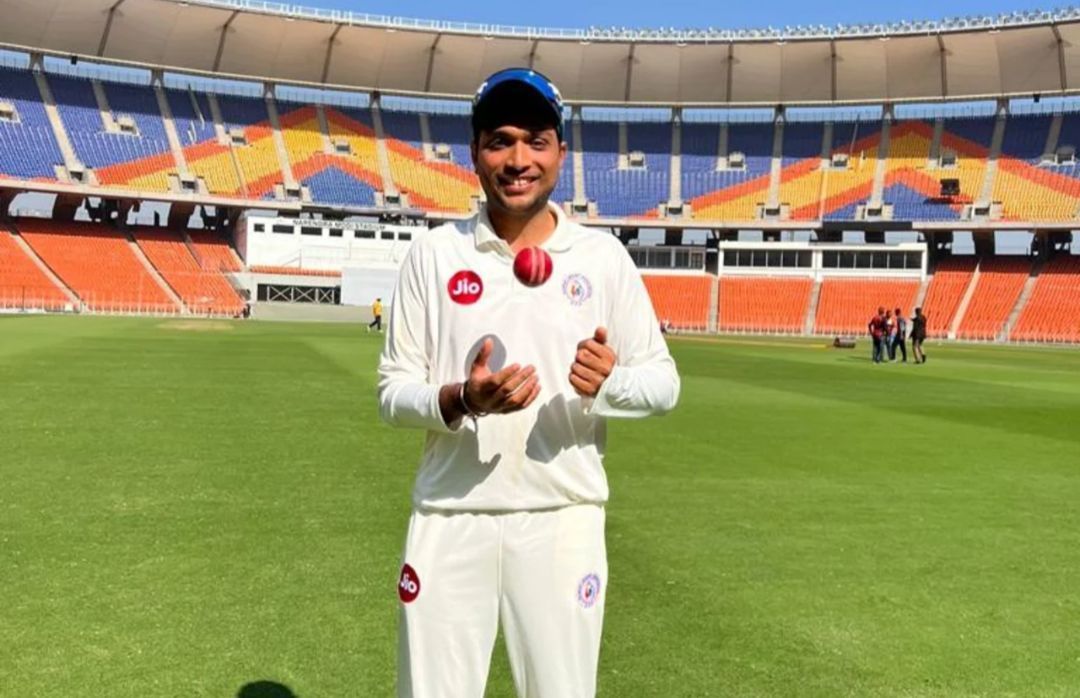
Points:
point(456, 287)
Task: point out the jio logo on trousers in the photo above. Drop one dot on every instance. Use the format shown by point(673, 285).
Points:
point(465, 287)
point(408, 587)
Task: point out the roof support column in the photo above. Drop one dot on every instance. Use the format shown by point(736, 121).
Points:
point(221, 39)
point(108, 27)
point(329, 53)
point(431, 61)
point(943, 54)
point(1061, 57)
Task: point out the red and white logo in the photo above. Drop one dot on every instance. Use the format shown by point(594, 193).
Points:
point(408, 587)
point(465, 287)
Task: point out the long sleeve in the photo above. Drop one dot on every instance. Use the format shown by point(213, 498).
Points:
point(644, 381)
point(407, 398)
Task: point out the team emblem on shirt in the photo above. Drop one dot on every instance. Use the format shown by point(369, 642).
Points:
point(408, 584)
point(588, 590)
point(576, 288)
point(465, 287)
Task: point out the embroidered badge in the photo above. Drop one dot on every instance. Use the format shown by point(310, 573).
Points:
point(588, 590)
point(576, 288)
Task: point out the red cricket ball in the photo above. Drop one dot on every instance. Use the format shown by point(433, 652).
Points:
point(532, 266)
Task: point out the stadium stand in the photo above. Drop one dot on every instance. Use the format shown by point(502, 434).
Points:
point(28, 148)
point(801, 176)
point(337, 179)
point(98, 264)
point(850, 184)
point(620, 189)
point(138, 160)
point(767, 305)
point(731, 192)
point(951, 280)
point(724, 169)
point(434, 186)
point(256, 157)
point(213, 252)
point(681, 300)
point(1052, 313)
point(1001, 279)
point(206, 157)
point(1028, 183)
point(22, 283)
point(846, 304)
point(203, 291)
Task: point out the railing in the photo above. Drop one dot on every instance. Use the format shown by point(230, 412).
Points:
point(661, 34)
point(15, 299)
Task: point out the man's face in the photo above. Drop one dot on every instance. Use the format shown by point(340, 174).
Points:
point(518, 167)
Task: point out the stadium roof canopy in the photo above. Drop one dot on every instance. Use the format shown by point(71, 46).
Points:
point(964, 59)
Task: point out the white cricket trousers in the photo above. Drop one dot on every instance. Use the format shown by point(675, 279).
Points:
point(543, 573)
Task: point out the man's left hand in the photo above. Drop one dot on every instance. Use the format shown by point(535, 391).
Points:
point(592, 364)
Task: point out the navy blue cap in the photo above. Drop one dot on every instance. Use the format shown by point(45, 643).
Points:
point(532, 80)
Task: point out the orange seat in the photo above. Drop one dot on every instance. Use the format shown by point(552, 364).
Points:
point(847, 304)
point(213, 252)
point(1001, 279)
point(98, 264)
point(951, 280)
point(1052, 313)
point(681, 300)
point(757, 304)
point(22, 283)
point(204, 291)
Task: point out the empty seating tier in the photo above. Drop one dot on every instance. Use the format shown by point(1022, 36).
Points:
point(1052, 313)
point(946, 291)
point(763, 304)
point(681, 300)
point(22, 283)
point(204, 291)
point(846, 305)
point(212, 252)
point(827, 167)
point(98, 264)
point(1001, 279)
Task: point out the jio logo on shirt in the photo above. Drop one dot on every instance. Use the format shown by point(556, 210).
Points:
point(408, 584)
point(465, 287)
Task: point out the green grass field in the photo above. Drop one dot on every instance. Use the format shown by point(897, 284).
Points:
point(184, 512)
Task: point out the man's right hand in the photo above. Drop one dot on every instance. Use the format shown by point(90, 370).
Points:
point(510, 389)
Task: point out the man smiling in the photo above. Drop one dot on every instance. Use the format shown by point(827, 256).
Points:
point(508, 503)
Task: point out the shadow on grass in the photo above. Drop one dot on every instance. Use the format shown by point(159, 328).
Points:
point(265, 689)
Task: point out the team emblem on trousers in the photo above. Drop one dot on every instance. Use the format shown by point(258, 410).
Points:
point(408, 584)
point(588, 590)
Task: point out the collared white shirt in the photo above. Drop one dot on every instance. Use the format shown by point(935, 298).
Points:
point(456, 287)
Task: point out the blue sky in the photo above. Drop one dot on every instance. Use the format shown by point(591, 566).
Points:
point(675, 13)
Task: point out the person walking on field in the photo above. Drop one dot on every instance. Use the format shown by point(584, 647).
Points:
point(513, 384)
point(376, 311)
point(876, 328)
point(890, 335)
point(899, 339)
point(918, 334)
